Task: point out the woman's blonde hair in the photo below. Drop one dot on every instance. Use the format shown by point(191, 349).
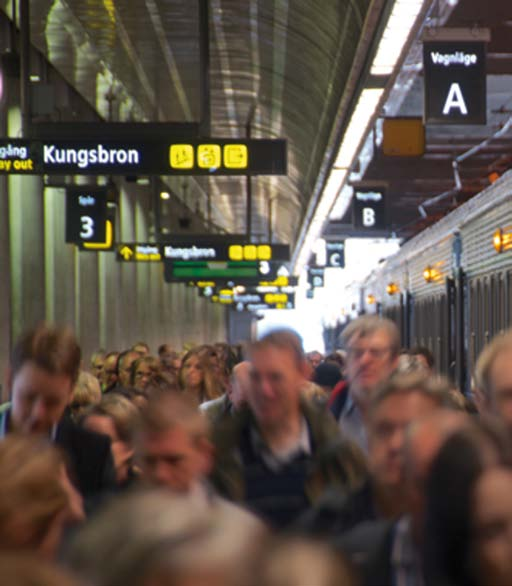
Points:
point(210, 388)
point(31, 493)
point(87, 390)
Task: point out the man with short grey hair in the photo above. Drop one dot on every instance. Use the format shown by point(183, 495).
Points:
point(372, 344)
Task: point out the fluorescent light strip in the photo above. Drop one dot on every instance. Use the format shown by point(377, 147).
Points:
point(358, 126)
point(330, 193)
point(355, 133)
point(396, 33)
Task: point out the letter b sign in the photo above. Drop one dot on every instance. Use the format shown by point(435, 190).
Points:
point(369, 210)
point(368, 217)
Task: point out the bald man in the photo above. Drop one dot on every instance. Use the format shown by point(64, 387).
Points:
point(235, 397)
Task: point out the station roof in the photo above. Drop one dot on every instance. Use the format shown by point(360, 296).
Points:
point(292, 60)
point(408, 183)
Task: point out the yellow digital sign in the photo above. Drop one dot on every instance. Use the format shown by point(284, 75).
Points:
point(276, 298)
point(209, 156)
point(240, 252)
point(236, 156)
point(181, 156)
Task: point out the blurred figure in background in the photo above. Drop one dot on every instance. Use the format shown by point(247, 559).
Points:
point(86, 392)
point(124, 368)
point(109, 377)
point(97, 361)
point(170, 361)
point(235, 396)
point(156, 538)
point(327, 375)
point(22, 569)
point(141, 347)
point(425, 357)
point(493, 377)
point(117, 417)
point(37, 499)
point(314, 359)
point(298, 562)
point(143, 370)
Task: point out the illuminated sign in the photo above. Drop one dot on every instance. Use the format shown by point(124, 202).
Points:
point(143, 157)
point(138, 252)
point(335, 254)
point(369, 209)
point(455, 82)
point(316, 276)
point(278, 282)
point(16, 157)
point(204, 249)
point(184, 271)
point(86, 215)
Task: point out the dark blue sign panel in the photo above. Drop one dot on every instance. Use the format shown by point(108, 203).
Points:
point(335, 254)
point(369, 209)
point(455, 82)
point(86, 215)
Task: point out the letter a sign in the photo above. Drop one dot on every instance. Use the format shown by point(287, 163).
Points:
point(455, 82)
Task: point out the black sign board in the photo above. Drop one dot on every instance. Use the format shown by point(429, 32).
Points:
point(246, 282)
point(455, 82)
point(86, 215)
point(205, 249)
point(316, 276)
point(369, 209)
point(142, 157)
point(185, 271)
point(335, 254)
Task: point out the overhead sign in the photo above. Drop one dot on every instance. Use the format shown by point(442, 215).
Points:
point(455, 82)
point(184, 271)
point(138, 252)
point(369, 209)
point(86, 215)
point(316, 276)
point(335, 254)
point(143, 157)
point(278, 282)
point(205, 249)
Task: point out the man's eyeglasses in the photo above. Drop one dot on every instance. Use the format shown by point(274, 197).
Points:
point(377, 353)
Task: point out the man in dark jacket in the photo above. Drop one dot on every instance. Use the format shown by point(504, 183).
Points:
point(280, 454)
point(402, 401)
point(43, 369)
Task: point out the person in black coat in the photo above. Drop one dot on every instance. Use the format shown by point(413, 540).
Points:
point(43, 369)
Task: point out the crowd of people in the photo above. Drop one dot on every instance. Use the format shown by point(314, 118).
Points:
point(224, 465)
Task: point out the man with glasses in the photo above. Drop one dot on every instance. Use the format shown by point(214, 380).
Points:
point(372, 344)
point(279, 454)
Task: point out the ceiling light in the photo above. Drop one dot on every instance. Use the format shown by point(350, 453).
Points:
point(399, 25)
point(359, 123)
point(165, 195)
point(392, 289)
point(371, 299)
